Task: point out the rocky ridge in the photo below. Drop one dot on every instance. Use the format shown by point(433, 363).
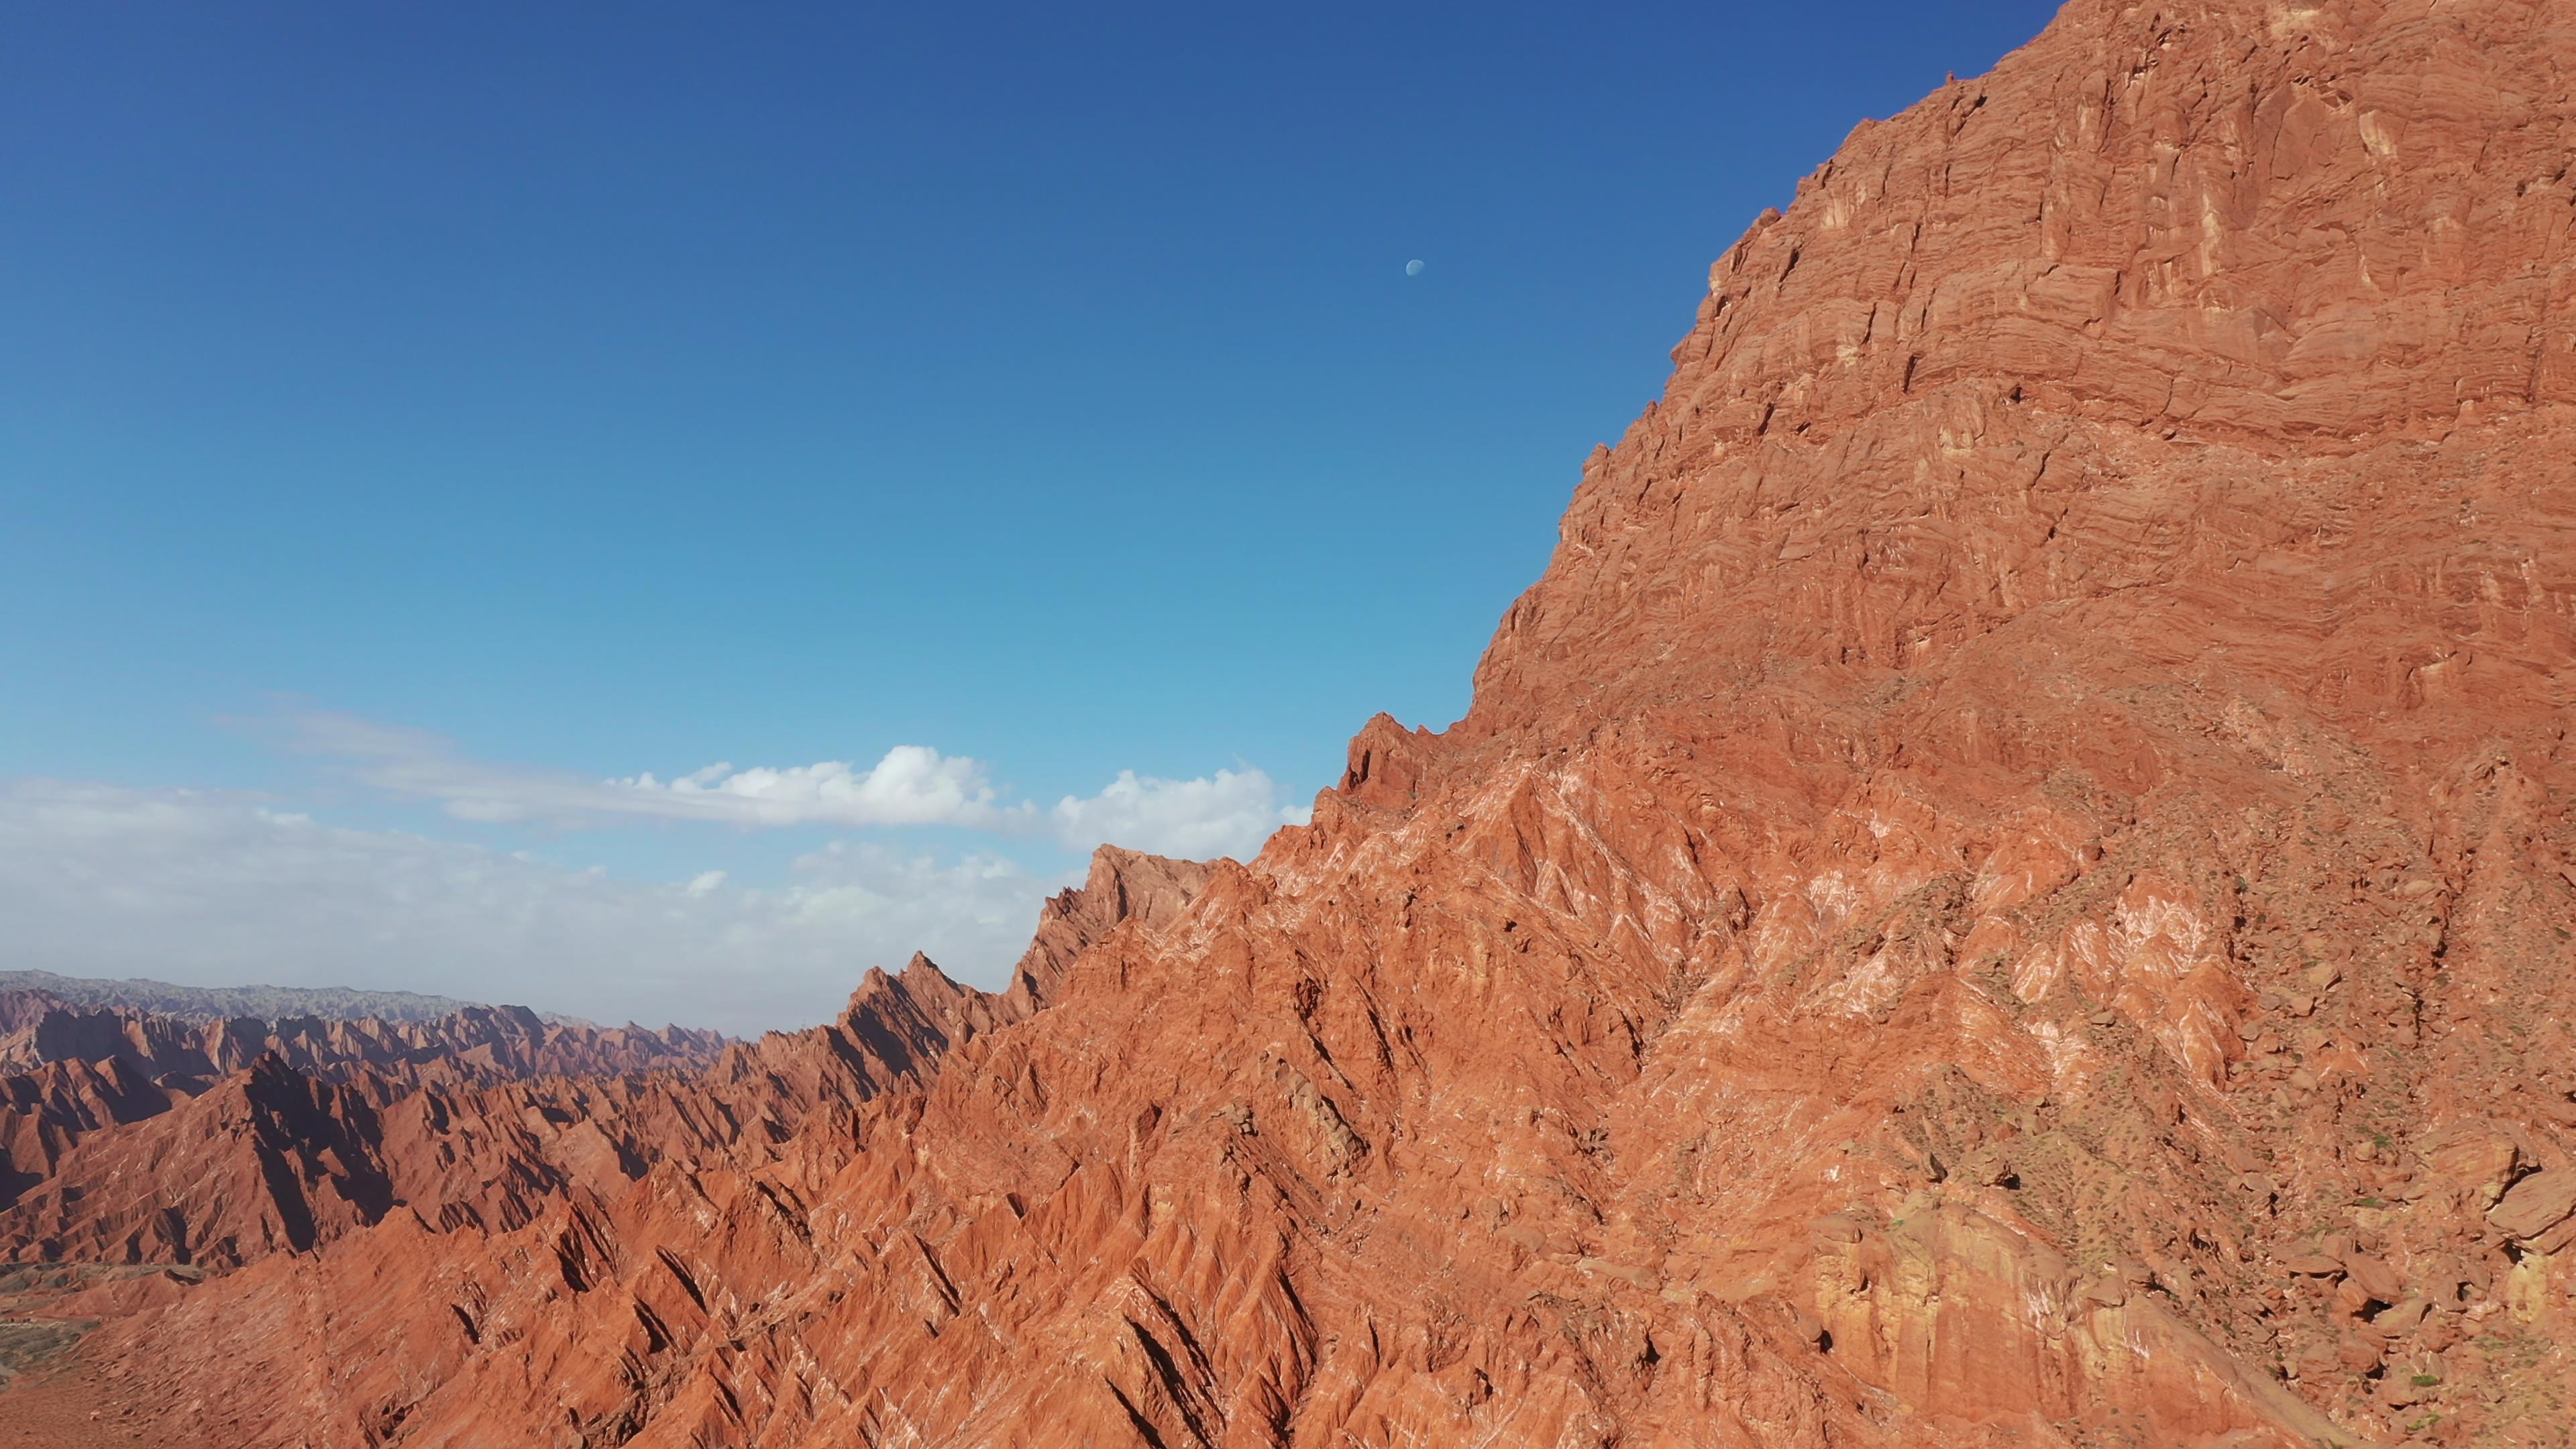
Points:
point(68, 1071)
point(140, 1139)
point(2012, 884)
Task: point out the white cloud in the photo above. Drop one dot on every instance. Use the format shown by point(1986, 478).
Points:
point(219, 889)
point(1228, 815)
point(1231, 813)
point(912, 785)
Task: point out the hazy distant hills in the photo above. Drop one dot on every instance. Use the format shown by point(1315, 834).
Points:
point(215, 1003)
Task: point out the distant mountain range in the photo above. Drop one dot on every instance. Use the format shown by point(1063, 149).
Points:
point(269, 1003)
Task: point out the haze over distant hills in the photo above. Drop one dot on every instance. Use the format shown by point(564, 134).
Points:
point(213, 1002)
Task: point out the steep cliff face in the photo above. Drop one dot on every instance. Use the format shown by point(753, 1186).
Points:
point(2012, 885)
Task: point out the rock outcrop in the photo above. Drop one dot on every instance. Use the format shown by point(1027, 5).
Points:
point(2012, 884)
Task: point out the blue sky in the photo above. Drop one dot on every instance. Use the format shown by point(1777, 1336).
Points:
point(419, 426)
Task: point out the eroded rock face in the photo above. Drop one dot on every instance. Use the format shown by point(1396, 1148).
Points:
point(479, 1120)
point(2011, 885)
point(296, 1151)
point(67, 1071)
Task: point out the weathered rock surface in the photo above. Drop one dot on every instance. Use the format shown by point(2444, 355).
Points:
point(287, 1155)
point(2012, 884)
point(67, 1071)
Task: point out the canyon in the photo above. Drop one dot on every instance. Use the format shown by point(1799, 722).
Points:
point(2012, 884)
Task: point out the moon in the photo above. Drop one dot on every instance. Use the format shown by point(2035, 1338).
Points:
point(1413, 268)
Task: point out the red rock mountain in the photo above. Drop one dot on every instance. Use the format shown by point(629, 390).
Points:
point(66, 1071)
point(2011, 885)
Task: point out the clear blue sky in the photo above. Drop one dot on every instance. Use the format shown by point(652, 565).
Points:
point(409, 412)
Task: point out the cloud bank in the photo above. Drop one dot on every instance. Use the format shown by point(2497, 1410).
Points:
point(1230, 813)
point(222, 889)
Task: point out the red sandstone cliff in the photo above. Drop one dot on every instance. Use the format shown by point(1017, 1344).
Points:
point(2012, 884)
